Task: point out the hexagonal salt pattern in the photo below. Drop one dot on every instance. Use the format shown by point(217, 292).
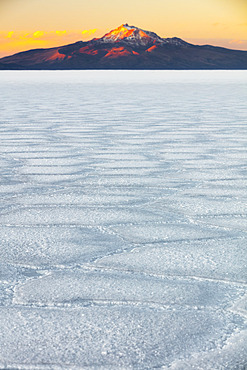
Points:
point(123, 220)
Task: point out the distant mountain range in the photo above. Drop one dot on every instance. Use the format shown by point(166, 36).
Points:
point(128, 47)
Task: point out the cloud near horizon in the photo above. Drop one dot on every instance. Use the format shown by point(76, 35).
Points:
point(44, 34)
point(238, 42)
point(89, 32)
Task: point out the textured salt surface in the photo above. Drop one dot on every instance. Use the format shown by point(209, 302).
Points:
point(123, 220)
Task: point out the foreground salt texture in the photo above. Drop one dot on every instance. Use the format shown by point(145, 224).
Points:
point(123, 220)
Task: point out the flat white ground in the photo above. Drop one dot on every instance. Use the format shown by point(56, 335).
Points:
point(123, 220)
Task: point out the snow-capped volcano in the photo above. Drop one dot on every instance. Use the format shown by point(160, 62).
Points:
point(128, 47)
point(134, 35)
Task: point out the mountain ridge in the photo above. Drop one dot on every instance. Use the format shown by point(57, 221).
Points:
point(128, 47)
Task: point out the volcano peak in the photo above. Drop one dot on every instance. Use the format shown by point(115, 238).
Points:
point(131, 34)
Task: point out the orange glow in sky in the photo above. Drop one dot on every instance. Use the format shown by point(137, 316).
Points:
point(29, 24)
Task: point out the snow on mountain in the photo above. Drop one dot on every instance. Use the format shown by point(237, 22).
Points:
point(137, 36)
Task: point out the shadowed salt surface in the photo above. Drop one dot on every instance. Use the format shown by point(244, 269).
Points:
point(123, 220)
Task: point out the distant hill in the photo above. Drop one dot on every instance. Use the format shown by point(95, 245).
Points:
point(128, 47)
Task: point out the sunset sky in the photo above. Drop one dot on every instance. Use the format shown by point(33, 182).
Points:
point(29, 24)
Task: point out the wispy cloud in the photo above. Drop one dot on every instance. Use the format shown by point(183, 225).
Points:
point(46, 35)
point(61, 33)
point(238, 42)
point(38, 34)
point(89, 32)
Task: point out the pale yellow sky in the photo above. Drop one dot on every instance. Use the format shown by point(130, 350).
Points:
point(26, 24)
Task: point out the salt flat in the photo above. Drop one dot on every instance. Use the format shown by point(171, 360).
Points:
point(123, 223)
